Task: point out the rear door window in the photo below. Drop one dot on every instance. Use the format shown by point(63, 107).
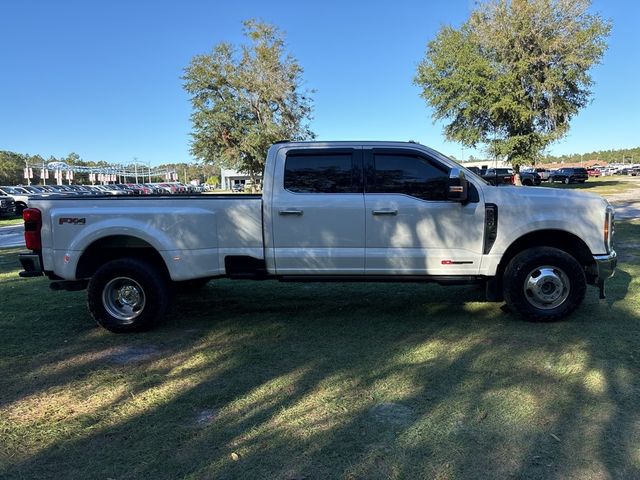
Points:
point(322, 172)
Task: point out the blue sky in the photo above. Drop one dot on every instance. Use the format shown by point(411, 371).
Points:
point(103, 78)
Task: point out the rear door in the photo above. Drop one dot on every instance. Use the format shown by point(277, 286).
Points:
point(317, 212)
point(412, 229)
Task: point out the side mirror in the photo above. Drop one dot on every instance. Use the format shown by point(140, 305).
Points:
point(458, 186)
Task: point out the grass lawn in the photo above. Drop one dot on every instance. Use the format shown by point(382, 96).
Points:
point(6, 221)
point(261, 380)
point(602, 185)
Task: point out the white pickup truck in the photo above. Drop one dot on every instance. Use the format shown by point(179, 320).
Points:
point(330, 211)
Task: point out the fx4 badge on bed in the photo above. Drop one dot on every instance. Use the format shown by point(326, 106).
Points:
point(72, 220)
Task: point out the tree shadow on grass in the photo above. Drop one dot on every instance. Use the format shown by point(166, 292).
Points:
point(583, 186)
point(264, 380)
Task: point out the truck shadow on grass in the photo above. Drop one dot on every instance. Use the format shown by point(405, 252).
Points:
point(266, 380)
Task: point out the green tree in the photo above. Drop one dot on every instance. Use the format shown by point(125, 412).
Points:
point(514, 74)
point(213, 180)
point(12, 168)
point(624, 155)
point(74, 160)
point(246, 99)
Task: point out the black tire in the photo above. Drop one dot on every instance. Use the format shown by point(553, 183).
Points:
point(544, 284)
point(128, 295)
point(527, 182)
point(567, 181)
point(20, 208)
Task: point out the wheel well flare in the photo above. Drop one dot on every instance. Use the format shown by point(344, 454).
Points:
point(560, 239)
point(113, 247)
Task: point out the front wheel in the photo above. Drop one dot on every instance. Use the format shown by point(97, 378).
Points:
point(128, 295)
point(544, 284)
point(567, 181)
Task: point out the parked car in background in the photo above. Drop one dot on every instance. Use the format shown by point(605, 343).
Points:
point(162, 188)
point(81, 190)
point(7, 206)
point(182, 188)
point(544, 173)
point(165, 188)
point(569, 175)
point(154, 189)
point(21, 199)
point(498, 176)
point(39, 189)
point(593, 172)
point(139, 189)
point(108, 190)
point(530, 179)
point(62, 189)
point(44, 188)
point(237, 187)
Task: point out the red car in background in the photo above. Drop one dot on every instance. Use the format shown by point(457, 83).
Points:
point(593, 172)
point(139, 189)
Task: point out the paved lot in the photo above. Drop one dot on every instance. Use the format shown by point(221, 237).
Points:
point(627, 210)
point(627, 204)
point(12, 236)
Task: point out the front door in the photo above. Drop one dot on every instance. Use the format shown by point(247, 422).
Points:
point(411, 227)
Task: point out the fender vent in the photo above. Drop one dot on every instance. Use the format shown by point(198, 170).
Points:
point(490, 226)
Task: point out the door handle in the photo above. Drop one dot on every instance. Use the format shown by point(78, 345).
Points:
point(386, 211)
point(290, 212)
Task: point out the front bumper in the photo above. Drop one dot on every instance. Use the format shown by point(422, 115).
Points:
point(9, 211)
point(605, 266)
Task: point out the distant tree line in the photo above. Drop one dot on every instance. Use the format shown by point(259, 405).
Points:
point(624, 155)
point(12, 167)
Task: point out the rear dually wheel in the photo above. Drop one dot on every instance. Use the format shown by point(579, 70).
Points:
point(128, 295)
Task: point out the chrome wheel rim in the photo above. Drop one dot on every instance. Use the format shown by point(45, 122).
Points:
point(123, 298)
point(546, 287)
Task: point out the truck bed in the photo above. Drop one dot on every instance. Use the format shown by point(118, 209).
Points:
point(193, 233)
